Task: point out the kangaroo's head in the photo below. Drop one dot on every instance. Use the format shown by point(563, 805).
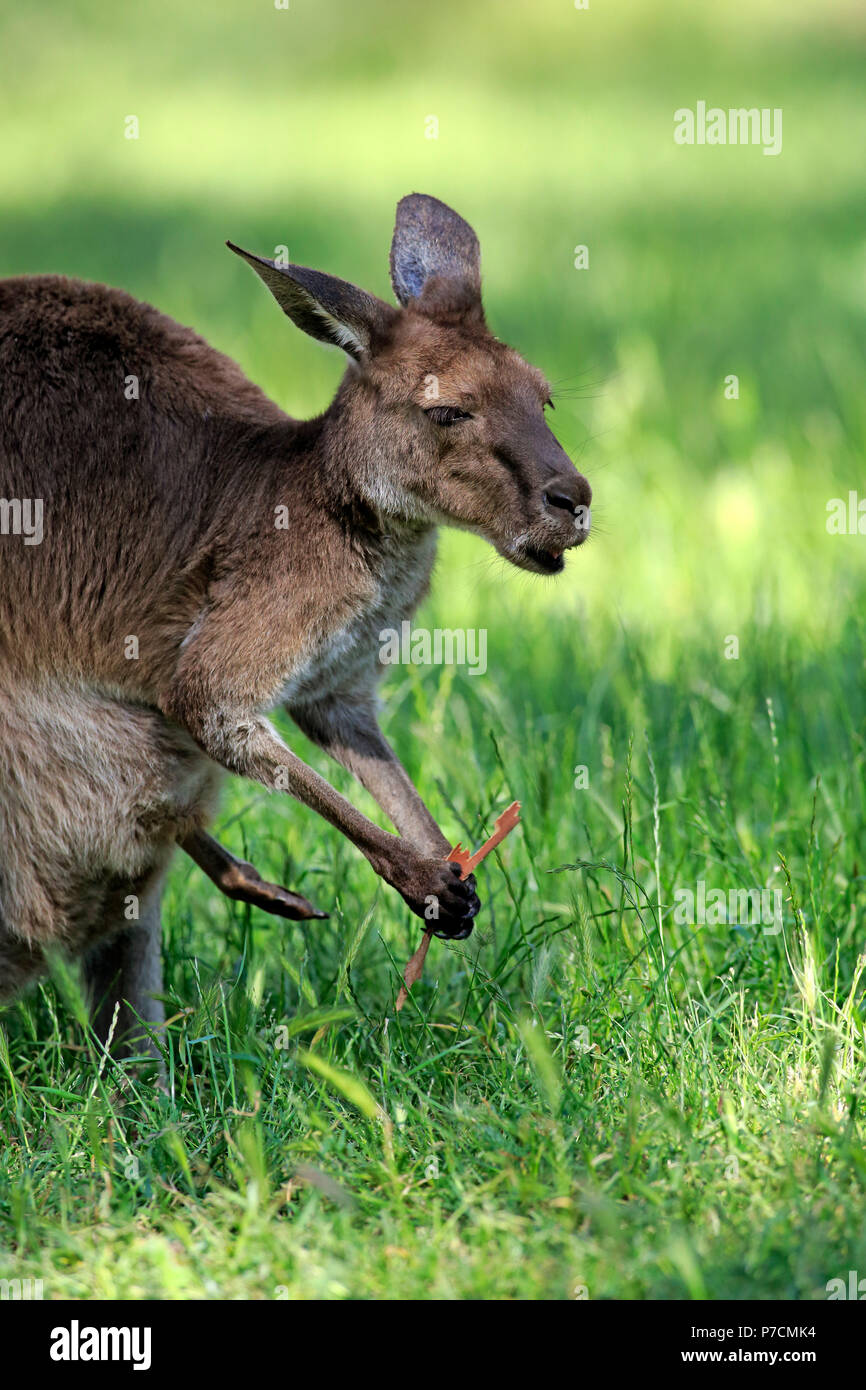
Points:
point(437, 420)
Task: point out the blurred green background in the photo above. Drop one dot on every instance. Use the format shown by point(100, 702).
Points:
point(558, 1162)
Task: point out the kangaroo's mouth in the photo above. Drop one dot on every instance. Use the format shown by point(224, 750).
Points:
point(540, 560)
point(543, 556)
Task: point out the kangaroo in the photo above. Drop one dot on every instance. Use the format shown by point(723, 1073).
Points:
point(203, 558)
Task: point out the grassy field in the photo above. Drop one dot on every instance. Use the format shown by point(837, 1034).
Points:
point(590, 1097)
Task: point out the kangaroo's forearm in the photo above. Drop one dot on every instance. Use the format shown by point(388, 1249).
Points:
point(352, 737)
point(247, 745)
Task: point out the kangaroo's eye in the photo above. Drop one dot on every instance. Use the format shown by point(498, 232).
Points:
point(446, 415)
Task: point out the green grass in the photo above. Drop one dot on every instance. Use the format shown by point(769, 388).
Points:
point(587, 1095)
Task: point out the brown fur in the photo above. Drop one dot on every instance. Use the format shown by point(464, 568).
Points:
point(159, 522)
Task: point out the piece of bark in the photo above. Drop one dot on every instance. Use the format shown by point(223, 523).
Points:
point(414, 969)
point(503, 825)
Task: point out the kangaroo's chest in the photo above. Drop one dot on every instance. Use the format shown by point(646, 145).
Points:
point(345, 656)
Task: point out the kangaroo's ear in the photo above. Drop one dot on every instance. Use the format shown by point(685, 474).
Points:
point(323, 306)
point(430, 240)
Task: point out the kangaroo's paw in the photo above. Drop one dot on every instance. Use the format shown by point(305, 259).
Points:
point(245, 884)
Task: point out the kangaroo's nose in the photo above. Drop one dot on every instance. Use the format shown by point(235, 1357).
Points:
point(569, 494)
point(559, 499)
